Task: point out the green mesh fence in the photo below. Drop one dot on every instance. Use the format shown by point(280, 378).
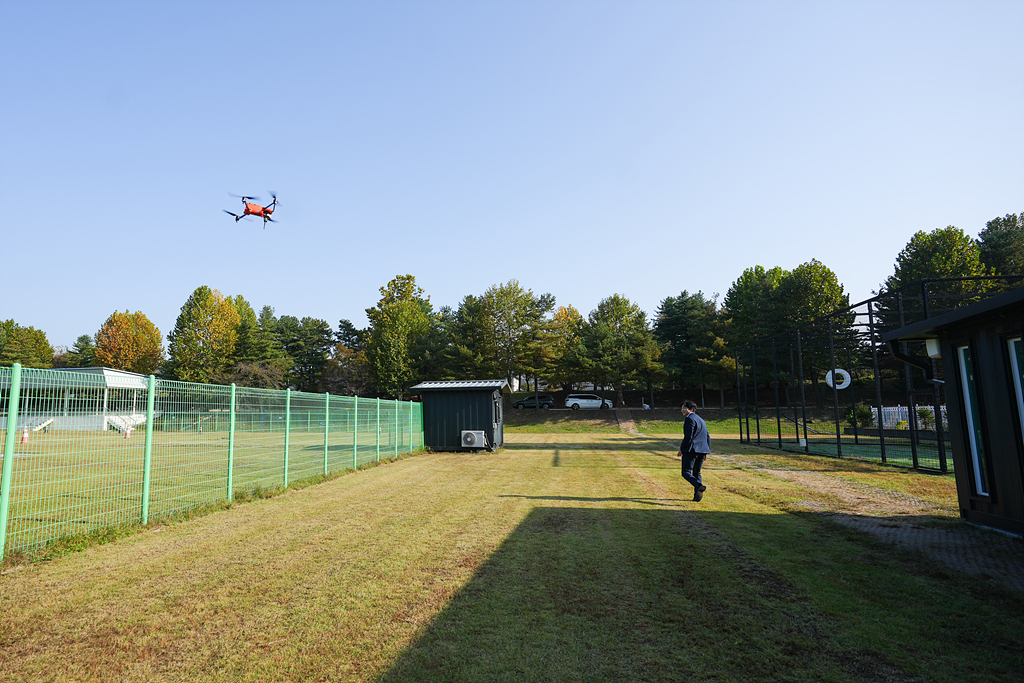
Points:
point(88, 449)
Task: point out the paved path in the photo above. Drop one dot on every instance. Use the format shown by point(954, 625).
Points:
point(625, 418)
point(965, 548)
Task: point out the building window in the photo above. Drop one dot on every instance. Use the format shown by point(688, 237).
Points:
point(1017, 370)
point(972, 412)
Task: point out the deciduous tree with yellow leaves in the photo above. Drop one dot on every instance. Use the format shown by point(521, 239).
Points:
point(129, 341)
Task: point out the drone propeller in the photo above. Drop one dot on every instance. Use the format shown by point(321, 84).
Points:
point(242, 197)
point(273, 195)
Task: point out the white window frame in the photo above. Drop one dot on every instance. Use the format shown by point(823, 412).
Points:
point(1014, 345)
point(964, 356)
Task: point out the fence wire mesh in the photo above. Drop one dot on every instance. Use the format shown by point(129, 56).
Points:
point(831, 387)
point(84, 450)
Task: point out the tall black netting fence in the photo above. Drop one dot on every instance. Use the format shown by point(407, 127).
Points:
point(831, 387)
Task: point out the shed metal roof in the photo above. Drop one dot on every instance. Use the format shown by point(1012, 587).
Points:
point(448, 385)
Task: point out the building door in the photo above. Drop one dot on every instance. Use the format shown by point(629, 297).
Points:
point(497, 428)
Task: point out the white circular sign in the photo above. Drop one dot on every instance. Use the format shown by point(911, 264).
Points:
point(841, 375)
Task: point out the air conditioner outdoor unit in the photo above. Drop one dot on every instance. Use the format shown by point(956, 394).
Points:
point(474, 439)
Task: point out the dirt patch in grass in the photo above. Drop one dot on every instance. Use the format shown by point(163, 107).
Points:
point(857, 498)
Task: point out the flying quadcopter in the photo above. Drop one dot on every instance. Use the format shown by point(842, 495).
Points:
point(252, 209)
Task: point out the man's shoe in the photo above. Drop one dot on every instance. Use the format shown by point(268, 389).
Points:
point(702, 488)
point(698, 494)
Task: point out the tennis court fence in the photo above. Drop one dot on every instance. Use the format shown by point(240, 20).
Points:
point(91, 448)
point(832, 387)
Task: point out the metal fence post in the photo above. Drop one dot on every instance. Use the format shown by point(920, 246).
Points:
point(378, 429)
point(395, 435)
point(908, 378)
point(739, 400)
point(355, 434)
point(803, 392)
point(757, 409)
point(231, 446)
point(835, 389)
point(792, 381)
point(327, 427)
point(410, 426)
point(147, 466)
point(287, 430)
point(778, 413)
point(853, 393)
point(8, 468)
point(939, 434)
point(878, 378)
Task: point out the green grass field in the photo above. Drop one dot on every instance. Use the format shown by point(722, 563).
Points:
point(560, 421)
point(560, 557)
point(73, 482)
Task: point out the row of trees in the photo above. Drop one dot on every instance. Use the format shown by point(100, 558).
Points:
point(507, 331)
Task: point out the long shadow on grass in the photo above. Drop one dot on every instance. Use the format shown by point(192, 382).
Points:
point(664, 595)
point(661, 502)
point(571, 594)
point(593, 454)
point(592, 443)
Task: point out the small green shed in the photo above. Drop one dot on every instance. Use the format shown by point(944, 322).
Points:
point(462, 415)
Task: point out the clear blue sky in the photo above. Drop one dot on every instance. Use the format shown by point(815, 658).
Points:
point(583, 148)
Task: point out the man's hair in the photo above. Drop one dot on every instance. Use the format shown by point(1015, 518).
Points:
point(689, 405)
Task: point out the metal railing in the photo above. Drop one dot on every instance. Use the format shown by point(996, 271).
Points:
point(81, 453)
point(819, 388)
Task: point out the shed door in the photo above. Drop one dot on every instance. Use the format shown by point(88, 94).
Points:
point(496, 412)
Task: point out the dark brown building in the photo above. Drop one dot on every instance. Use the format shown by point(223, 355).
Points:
point(983, 360)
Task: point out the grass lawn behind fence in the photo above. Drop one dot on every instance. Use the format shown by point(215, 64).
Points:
point(560, 421)
point(561, 557)
point(664, 421)
point(75, 482)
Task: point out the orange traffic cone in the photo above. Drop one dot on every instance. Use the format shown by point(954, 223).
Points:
point(24, 436)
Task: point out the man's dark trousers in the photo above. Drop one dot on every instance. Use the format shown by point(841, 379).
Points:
point(692, 462)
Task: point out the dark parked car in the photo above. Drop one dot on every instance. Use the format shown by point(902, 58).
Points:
point(545, 402)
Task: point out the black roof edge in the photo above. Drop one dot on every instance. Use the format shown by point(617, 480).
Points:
point(930, 327)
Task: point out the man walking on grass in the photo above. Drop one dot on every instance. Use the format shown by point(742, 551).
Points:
point(695, 448)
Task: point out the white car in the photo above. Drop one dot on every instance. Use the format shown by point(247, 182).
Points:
point(577, 401)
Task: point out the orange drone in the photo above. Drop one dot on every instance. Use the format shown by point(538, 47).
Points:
point(252, 209)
